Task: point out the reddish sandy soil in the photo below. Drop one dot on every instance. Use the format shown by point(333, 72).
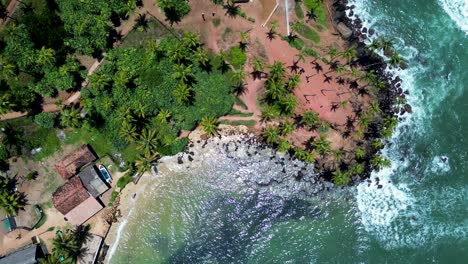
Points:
point(313, 94)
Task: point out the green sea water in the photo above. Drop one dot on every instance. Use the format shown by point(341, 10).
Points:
point(205, 214)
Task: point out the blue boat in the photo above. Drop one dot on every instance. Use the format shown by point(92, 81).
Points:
point(105, 173)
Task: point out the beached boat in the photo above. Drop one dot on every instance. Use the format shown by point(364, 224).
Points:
point(105, 173)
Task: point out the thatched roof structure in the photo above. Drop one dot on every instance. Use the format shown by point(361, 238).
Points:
point(68, 166)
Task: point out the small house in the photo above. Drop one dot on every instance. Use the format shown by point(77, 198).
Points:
point(92, 181)
point(74, 202)
point(28, 255)
point(68, 166)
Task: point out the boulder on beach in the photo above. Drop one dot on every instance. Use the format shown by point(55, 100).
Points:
point(344, 30)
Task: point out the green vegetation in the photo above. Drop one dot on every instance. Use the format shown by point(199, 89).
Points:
point(237, 57)
point(318, 8)
point(238, 122)
point(114, 196)
point(240, 103)
point(67, 247)
point(10, 200)
point(45, 120)
point(174, 10)
point(298, 10)
point(239, 113)
point(124, 180)
point(306, 32)
point(216, 21)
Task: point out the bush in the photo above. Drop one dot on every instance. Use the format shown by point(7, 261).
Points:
point(45, 120)
point(114, 195)
point(176, 147)
point(216, 21)
point(237, 57)
point(124, 180)
point(174, 10)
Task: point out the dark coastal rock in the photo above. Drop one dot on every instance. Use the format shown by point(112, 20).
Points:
point(180, 160)
point(190, 158)
point(371, 31)
point(408, 108)
point(344, 30)
point(379, 186)
point(364, 30)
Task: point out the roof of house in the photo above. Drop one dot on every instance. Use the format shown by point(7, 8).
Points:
point(69, 165)
point(92, 246)
point(84, 211)
point(26, 255)
point(70, 195)
point(92, 181)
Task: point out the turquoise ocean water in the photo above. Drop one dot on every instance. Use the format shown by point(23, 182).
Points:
point(205, 215)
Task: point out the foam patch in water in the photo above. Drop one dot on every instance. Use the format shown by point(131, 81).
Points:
point(458, 12)
point(440, 164)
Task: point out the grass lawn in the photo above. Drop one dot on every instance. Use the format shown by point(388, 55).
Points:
point(319, 8)
point(97, 141)
point(307, 32)
point(238, 122)
point(136, 38)
point(298, 10)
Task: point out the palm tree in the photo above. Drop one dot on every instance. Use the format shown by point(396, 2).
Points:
point(178, 53)
point(10, 203)
point(191, 40)
point(286, 128)
point(232, 10)
point(277, 70)
point(238, 76)
point(148, 141)
point(311, 15)
point(293, 82)
point(359, 153)
point(202, 56)
point(128, 132)
point(322, 145)
point(70, 117)
point(309, 118)
point(379, 162)
point(145, 162)
point(357, 169)
point(6, 103)
point(288, 104)
point(258, 66)
point(304, 155)
point(340, 178)
point(269, 113)
point(374, 108)
point(51, 259)
point(349, 54)
point(183, 93)
point(375, 45)
point(271, 135)
point(274, 90)
point(386, 44)
point(396, 59)
point(183, 73)
point(140, 110)
point(45, 56)
point(107, 103)
point(209, 125)
point(284, 145)
point(141, 23)
point(125, 114)
point(64, 245)
point(164, 115)
point(333, 53)
point(243, 42)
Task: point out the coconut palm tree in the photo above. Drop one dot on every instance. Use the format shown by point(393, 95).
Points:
point(70, 117)
point(379, 162)
point(183, 73)
point(178, 53)
point(145, 162)
point(293, 82)
point(140, 110)
point(386, 44)
point(374, 108)
point(258, 66)
point(304, 155)
point(243, 42)
point(6, 103)
point(359, 153)
point(277, 70)
point(191, 40)
point(357, 169)
point(10, 203)
point(284, 145)
point(209, 125)
point(201, 56)
point(164, 115)
point(322, 145)
point(274, 90)
point(148, 141)
point(51, 259)
point(183, 93)
point(333, 53)
point(309, 118)
point(340, 178)
point(286, 128)
point(128, 132)
point(270, 112)
point(141, 23)
point(45, 56)
point(311, 15)
point(349, 54)
point(396, 59)
point(288, 104)
point(271, 135)
point(232, 10)
point(238, 76)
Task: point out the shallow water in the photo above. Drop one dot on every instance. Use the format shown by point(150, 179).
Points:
point(216, 212)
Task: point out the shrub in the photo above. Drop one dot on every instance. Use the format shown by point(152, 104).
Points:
point(45, 120)
point(237, 57)
point(216, 21)
point(124, 180)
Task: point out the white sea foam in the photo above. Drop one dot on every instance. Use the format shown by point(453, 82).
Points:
point(440, 164)
point(458, 12)
point(117, 239)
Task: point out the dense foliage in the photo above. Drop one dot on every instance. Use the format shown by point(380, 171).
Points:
point(146, 95)
point(174, 10)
